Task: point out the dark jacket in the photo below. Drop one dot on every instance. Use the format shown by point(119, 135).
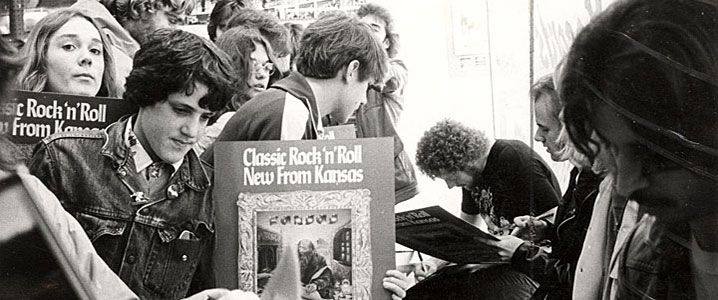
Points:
point(91, 174)
point(555, 271)
point(378, 117)
point(260, 119)
point(655, 263)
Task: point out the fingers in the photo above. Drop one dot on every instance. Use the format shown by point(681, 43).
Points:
point(239, 295)
point(525, 221)
point(488, 242)
point(209, 294)
point(397, 291)
point(521, 220)
point(397, 283)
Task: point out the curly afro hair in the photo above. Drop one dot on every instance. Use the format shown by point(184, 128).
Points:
point(449, 146)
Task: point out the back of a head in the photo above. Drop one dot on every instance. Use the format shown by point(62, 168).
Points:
point(171, 61)
point(10, 62)
point(124, 10)
point(333, 41)
point(222, 12)
point(295, 34)
point(651, 60)
point(268, 25)
point(449, 146)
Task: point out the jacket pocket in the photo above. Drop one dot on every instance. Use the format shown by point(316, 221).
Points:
point(173, 259)
point(96, 227)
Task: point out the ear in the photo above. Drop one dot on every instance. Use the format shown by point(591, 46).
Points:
point(352, 70)
point(385, 43)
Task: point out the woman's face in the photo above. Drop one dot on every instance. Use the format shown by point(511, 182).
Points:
point(262, 67)
point(74, 59)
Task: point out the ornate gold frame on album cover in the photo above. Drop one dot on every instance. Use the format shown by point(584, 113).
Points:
point(357, 200)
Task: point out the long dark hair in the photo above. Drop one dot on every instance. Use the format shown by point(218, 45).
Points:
point(656, 63)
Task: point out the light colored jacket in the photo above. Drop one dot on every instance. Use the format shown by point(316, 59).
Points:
point(590, 271)
point(74, 244)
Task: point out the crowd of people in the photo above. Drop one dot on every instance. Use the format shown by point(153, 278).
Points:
point(633, 107)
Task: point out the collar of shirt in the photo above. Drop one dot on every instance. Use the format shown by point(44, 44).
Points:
point(139, 154)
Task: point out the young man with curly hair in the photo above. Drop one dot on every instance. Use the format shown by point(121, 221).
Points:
point(501, 179)
point(137, 188)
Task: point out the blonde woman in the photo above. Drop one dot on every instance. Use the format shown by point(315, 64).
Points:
point(66, 53)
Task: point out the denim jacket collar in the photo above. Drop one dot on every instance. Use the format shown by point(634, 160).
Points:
point(190, 174)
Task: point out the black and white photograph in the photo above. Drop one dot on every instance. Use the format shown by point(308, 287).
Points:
point(358, 149)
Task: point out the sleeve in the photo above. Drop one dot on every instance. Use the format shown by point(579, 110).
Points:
point(545, 194)
point(294, 119)
point(548, 271)
point(212, 132)
point(468, 205)
point(398, 77)
point(41, 165)
point(75, 244)
point(324, 279)
point(393, 90)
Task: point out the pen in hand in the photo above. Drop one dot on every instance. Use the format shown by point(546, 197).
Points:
point(421, 261)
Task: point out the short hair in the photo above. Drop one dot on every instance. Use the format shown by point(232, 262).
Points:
point(171, 61)
point(648, 59)
point(383, 14)
point(450, 146)
point(333, 41)
point(33, 76)
point(545, 86)
point(267, 25)
point(238, 43)
point(224, 10)
point(124, 10)
point(10, 62)
point(295, 34)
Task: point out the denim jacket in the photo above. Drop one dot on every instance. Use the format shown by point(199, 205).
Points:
point(654, 263)
point(91, 172)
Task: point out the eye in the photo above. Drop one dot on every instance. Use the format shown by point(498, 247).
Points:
point(180, 111)
point(174, 19)
point(68, 47)
point(96, 51)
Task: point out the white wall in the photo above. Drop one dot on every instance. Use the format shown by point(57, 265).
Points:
point(435, 91)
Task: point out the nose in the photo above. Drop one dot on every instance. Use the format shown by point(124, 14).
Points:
point(192, 127)
point(261, 73)
point(85, 58)
point(362, 100)
point(537, 136)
